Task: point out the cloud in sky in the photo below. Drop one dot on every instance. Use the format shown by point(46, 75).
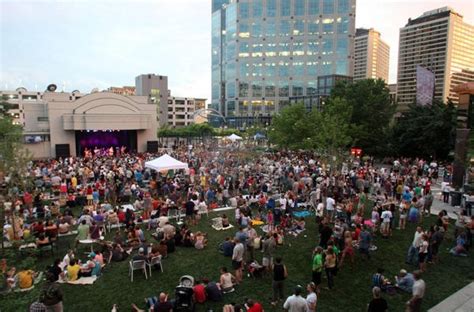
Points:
point(84, 44)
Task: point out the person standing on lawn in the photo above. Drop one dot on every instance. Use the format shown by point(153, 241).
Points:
point(412, 256)
point(419, 287)
point(280, 273)
point(378, 304)
point(317, 266)
point(365, 241)
point(237, 260)
point(296, 303)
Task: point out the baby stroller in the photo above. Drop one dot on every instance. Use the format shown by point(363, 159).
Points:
point(184, 294)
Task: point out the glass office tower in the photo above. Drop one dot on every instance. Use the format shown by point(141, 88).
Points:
point(266, 52)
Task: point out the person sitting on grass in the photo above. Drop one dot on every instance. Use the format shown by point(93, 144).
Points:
point(460, 248)
point(82, 231)
point(26, 278)
point(42, 240)
point(8, 275)
point(91, 268)
point(225, 221)
point(199, 290)
point(227, 281)
point(119, 254)
point(405, 281)
point(200, 240)
point(213, 291)
point(73, 270)
point(56, 270)
point(378, 280)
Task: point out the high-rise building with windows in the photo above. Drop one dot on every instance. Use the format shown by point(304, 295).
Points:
point(372, 55)
point(440, 41)
point(265, 52)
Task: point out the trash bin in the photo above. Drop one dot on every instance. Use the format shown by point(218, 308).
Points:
point(455, 198)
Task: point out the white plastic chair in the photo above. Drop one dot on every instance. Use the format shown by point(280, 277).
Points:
point(137, 265)
point(153, 261)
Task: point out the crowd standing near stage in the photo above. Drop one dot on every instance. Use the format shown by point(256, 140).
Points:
point(275, 191)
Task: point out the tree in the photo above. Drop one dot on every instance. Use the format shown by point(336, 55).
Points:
point(291, 127)
point(13, 159)
point(372, 112)
point(426, 131)
point(331, 135)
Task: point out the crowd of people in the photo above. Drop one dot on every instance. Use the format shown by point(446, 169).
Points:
point(276, 191)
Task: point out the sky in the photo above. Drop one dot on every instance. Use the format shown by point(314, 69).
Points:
point(86, 44)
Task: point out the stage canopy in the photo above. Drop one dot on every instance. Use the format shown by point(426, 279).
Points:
point(234, 137)
point(165, 162)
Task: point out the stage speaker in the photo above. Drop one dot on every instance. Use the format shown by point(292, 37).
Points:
point(62, 150)
point(152, 146)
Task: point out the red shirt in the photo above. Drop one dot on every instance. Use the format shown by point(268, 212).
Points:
point(257, 307)
point(199, 293)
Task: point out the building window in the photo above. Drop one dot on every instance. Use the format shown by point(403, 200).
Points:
point(230, 92)
point(299, 7)
point(343, 6)
point(285, 8)
point(343, 25)
point(243, 89)
point(271, 8)
point(298, 29)
point(42, 119)
point(230, 108)
point(257, 8)
point(270, 90)
point(285, 28)
point(342, 46)
point(256, 89)
point(284, 89)
point(244, 10)
point(313, 7)
point(328, 6)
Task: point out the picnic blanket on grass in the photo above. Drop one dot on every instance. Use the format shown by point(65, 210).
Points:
point(81, 281)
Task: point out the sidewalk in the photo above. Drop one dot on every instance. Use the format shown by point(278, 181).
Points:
point(439, 205)
point(460, 301)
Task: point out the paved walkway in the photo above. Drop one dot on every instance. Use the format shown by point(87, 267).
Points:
point(460, 301)
point(439, 205)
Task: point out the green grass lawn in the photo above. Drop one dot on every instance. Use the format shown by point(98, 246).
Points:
point(352, 286)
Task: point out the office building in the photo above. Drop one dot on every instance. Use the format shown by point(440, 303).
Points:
point(265, 52)
point(155, 88)
point(372, 55)
point(393, 92)
point(181, 111)
point(441, 42)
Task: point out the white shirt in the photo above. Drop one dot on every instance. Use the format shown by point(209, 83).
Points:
point(417, 239)
point(386, 216)
point(295, 304)
point(311, 299)
point(419, 288)
point(330, 202)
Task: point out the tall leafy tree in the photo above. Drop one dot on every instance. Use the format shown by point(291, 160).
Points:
point(371, 114)
point(13, 158)
point(292, 127)
point(426, 131)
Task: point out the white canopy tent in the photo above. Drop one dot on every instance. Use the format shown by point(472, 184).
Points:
point(234, 137)
point(165, 162)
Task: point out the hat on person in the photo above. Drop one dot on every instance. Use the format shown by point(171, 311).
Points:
point(141, 250)
point(403, 272)
point(92, 255)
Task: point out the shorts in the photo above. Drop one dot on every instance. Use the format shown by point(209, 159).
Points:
point(422, 257)
point(267, 261)
point(89, 197)
point(348, 250)
point(236, 264)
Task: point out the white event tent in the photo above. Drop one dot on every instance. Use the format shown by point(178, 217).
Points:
point(165, 162)
point(234, 137)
